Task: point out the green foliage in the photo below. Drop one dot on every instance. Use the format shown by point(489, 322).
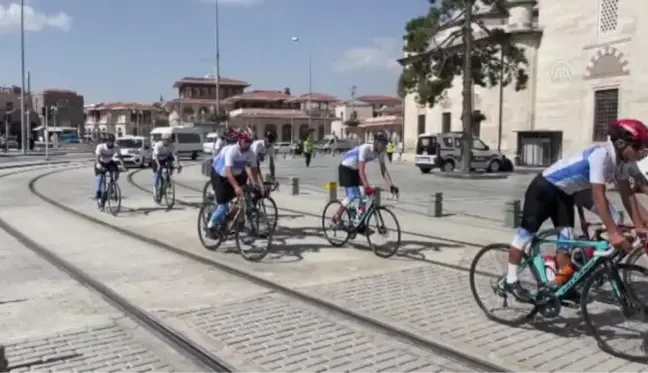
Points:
point(431, 75)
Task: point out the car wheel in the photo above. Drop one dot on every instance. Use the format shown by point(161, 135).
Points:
point(494, 166)
point(448, 166)
point(425, 170)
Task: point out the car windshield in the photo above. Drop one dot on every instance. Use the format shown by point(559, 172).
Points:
point(211, 138)
point(129, 143)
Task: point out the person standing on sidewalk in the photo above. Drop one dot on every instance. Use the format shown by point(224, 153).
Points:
point(400, 151)
point(391, 148)
point(309, 146)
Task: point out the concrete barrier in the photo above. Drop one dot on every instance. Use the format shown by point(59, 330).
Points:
point(4, 364)
point(294, 183)
point(512, 214)
point(435, 207)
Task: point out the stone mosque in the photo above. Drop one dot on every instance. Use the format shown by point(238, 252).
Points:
point(586, 68)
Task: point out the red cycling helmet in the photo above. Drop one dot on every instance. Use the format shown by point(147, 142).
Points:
point(244, 135)
point(630, 130)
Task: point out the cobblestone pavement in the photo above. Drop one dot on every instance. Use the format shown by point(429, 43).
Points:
point(50, 322)
point(247, 325)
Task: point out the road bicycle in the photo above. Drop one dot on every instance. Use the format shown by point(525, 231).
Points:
point(604, 266)
point(245, 223)
point(267, 204)
point(165, 188)
point(110, 193)
point(359, 222)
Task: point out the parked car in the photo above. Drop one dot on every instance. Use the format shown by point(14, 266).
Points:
point(135, 150)
point(443, 150)
point(283, 148)
point(332, 145)
point(210, 140)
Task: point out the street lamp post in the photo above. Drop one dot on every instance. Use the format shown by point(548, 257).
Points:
point(295, 39)
point(217, 37)
point(23, 127)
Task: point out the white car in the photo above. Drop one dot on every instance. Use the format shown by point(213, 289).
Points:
point(135, 150)
point(283, 148)
point(208, 145)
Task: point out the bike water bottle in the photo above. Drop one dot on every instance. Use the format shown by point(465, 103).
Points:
point(550, 267)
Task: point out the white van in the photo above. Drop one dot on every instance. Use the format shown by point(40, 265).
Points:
point(210, 139)
point(187, 140)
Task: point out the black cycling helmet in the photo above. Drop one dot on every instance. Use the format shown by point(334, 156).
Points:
point(110, 137)
point(271, 136)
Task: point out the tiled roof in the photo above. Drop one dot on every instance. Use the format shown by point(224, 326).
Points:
point(210, 81)
point(391, 120)
point(316, 97)
point(378, 98)
point(260, 95)
point(122, 106)
point(271, 113)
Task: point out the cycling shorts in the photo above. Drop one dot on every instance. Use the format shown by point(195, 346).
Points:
point(348, 177)
point(223, 190)
point(168, 162)
point(110, 166)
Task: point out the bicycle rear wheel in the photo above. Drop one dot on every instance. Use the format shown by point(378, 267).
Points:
point(169, 193)
point(250, 242)
point(489, 281)
point(378, 216)
point(341, 226)
point(204, 214)
point(268, 206)
point(599, 311)
point(113, 198)
point(208, 192)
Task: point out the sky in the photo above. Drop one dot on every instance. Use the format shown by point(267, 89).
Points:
point(133, 50)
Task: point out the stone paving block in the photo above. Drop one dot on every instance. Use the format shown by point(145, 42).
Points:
point(273, 332)
point(438, 300)
point(84, 350)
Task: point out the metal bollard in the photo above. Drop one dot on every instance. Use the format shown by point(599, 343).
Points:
point(4, 364)
point(294, 182)
point(377, 197)
point(331, 186)
point(512, 214)
point(206, 167)
point(435, 208)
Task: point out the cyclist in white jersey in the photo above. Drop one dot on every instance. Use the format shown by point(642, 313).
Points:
point(164, 154)
point(105, 155)
point(229, 174)
point(264, 148)
point(352, 175)
point(551, 195)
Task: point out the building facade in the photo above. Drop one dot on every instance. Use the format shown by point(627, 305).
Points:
point(120, 118)
point(361, 118)
point(66, 108)
point(584, 71)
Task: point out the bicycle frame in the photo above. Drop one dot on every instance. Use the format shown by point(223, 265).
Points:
point(370, 207)
point(537, 261)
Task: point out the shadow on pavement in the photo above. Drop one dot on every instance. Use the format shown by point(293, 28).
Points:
point(148, 210)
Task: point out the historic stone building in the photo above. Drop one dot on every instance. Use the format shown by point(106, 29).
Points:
point(586, 69)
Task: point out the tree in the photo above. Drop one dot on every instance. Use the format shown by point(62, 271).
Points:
point(432, 65)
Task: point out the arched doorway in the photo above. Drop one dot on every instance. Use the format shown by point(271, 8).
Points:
point(270, 128)
point(286, 133)
point(320, 132)
point(304, 130)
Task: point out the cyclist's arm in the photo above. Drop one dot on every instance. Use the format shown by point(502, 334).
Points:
point(253, 170)
point(156, 154)
point(597, 162)
point(174, 153)
point(98, 154)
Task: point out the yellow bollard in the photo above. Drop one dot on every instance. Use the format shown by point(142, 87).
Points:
point(331, 186)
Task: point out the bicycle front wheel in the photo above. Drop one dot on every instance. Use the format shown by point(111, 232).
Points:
point(486, 279)
point(268, 207)
point(169, 193)
point(379, 216)
point(114, 198)
point(612, 314)
point(251, 243)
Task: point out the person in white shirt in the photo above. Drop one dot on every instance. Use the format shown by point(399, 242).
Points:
point(164, 155)
point(265, 148)
point(105, 155)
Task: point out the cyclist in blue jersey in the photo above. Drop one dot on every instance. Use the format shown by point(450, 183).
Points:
point(550, 195)
point(352, 174)
point(229, 173)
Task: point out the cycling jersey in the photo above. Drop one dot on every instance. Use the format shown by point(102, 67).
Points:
point(259, 149)
point(232, 156)
point(105, 153)
point(361, 153)
point(218, 146)
point(595, 165)
point(161, 151)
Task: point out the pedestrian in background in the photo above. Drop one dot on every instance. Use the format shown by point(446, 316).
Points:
point(400, 151)
point(309, 146)
point(391, 148)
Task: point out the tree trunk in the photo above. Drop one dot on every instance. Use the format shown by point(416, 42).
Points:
point(466, 117)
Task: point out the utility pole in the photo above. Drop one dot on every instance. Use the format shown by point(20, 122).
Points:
point(467, 115)
point(217, 36)
point(23, 125)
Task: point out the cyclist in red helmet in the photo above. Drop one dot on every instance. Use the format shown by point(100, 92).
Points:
point(550, 195)
point(229, 174)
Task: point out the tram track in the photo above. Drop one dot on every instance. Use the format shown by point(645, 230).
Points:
point(440, 348)
point(175, 340)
